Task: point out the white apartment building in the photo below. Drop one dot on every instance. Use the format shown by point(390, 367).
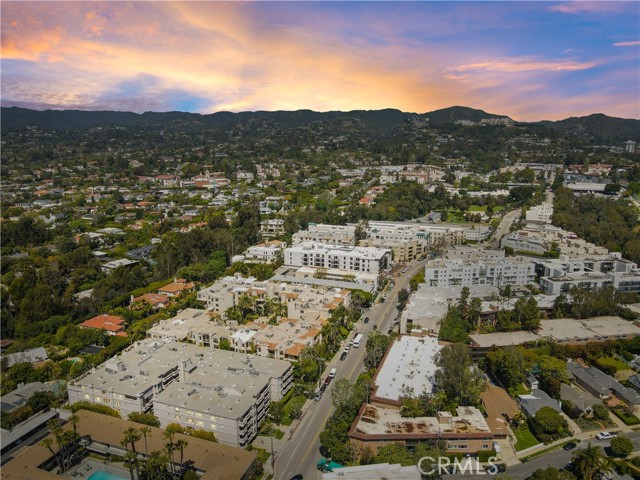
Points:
point(271, 228)
point(465, 266)
point(301, 301)
point(521, 242)
point(267, 252)
point(540, 213)
point(224, 392)
point(561, 275)
point(328, 234)
point(347, 258)
point(407, 241)
point(284, 340)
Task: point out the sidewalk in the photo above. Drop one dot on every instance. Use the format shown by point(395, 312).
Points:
point(588, 436)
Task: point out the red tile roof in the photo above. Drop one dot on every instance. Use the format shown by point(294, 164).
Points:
point(110, 323)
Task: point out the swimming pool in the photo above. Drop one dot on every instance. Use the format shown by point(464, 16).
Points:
point(102, 475)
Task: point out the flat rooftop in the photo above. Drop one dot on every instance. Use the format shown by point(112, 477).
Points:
point(587, 329)
point(388, 422)
point(409, 363)
point(503, 339)
point(145, 364)
point(342, 250)
point(428, 305)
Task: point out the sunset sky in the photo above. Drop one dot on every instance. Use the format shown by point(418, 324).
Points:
point(528, 60)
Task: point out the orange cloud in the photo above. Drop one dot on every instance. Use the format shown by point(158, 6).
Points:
point(82, 54)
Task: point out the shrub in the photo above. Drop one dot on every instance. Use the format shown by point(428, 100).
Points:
point(94, 408)
point(144, 418)
point(600, 412)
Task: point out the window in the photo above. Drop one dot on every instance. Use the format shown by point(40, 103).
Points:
point(200, 423)
point(177, 417)
point(177, 409)
point(189, 420)
point(86, 395)
point(98, 399)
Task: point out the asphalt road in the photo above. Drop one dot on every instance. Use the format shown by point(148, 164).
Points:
point(558, 458)
point(302, 451)
point(504, 227)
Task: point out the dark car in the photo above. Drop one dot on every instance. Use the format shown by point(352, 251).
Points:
point(324, 451)
point(343, 356)
point(366, 319)
point(375, 327)
point(297, 477)
point(495, 468)
point(570, 446)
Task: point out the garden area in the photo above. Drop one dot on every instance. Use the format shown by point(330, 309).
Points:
point(288, 409)
point(588, 423)
point(525, 438)
point(614, 362)
point(624, 414)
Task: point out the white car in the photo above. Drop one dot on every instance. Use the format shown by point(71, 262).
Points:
point(606, 435)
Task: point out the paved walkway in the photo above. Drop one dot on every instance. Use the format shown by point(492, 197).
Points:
point(579, 435)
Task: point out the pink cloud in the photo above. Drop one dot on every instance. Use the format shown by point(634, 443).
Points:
point(516, 66)
point(579, 6)
point(627, 44)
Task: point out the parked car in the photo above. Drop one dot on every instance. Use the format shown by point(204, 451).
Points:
point(343, 355)
point(495, 468)
point(570, 446)
point(366, 319)
point(324, 451)
point(606, 435)
point(318, 395)
point(375, 327)
point(297, 477)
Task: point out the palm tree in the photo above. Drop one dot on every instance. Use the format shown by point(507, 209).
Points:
point(74, 419)
point(589, 462)
point(130, 457)
point(57, 431)
point(47, 442)
point(131, 436)
point(246, 304)
point(181, 444)
point(170, 448)
point(169, 432)
point(155, 466)
point(145, 431)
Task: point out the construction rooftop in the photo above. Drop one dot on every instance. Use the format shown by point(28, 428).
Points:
point(387, 421)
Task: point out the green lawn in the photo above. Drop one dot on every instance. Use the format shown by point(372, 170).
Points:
point(613, 362)
point(521, 390)
point(525, 439)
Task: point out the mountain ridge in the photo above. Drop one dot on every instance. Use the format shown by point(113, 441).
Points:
point(597, 126)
